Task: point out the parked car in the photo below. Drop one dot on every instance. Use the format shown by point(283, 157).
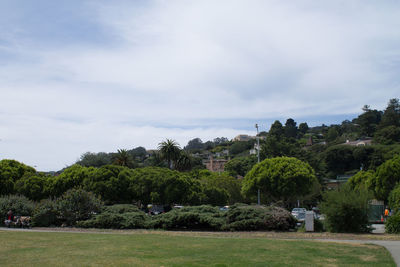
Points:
point(296, 211)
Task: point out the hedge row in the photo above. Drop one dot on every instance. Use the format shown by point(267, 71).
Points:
point(82, 209)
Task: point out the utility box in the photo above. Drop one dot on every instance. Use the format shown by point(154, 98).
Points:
point(309, 221)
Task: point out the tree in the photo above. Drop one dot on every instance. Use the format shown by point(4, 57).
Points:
point(362, 180)
point(122, 158)
point(346, 210)
point(387, 176)
point(281, 178)
point(194, 144)
point(240, 146)
point(33, 186)
point(170, 151)
point(111, 183)
point(388, 135)
point(340, 159)
point(332, 134)
point(89, 159)
point(394, 199)
point(391, 115)
point(290, 128)
point(240, 165)
point(72, 177)
point(368, 121)
point(184, 162)
point(303, 128)
point(10, 172)
point(276, 130)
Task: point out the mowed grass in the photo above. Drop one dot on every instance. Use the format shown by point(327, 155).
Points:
point(152, 249)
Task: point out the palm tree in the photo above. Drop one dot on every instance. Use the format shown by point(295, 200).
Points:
point(170, 151)
point(122, 158)
point(184, 163)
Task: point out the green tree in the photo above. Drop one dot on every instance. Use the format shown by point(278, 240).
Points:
point(111, 183)
point(10, 172)
point(346, 210)
point(276, 130)
point(281, 178)
point(170, 151)
point(194, 144)
point(303, 128)
point(33, 186)
point(240, 165)
point(340, 159)
point(388, 135)
point(391, 115)
point(394, 199)
point(290, 128)
point(362, 179)
point(89, 159)
point(368, 121)
point(72, 177)
point(123, 158)
point(387, 176)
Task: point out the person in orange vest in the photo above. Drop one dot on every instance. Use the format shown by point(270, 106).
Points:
point(386, 213)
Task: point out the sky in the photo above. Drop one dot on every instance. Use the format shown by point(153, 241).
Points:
point(83, 75)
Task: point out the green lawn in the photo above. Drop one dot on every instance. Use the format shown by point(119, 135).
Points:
point(154, 249)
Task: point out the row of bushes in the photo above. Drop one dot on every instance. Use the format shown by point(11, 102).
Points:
point(83, 209)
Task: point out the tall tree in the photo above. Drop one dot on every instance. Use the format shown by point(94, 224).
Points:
point(170, 151)
point(122, 158)
point(276, 130)
point(391, 116)
point(290, 128)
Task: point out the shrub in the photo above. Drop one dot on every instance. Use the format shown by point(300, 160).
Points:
point(346, 210)
point(19, 205)
point(394, 199)
point(77, 205)
point(193, 218)
point(127, 220)
point(242, 217)
point(392, 225)
point(46, 213)
point(120, 208)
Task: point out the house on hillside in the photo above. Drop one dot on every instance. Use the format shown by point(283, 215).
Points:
point(215, 165)
point(360, 142)
point(243, 137)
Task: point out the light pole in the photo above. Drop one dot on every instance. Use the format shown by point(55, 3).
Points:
point(258, 161)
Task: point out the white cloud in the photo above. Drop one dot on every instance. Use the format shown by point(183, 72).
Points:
point(174, 65)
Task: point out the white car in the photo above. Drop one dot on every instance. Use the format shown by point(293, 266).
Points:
point(296, 211)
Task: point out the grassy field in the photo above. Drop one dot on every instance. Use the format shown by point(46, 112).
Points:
point(147, 249)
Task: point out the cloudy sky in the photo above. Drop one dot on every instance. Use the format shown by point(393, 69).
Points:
point(79, 76)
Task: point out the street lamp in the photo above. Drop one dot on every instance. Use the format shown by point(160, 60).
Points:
point(258, 161)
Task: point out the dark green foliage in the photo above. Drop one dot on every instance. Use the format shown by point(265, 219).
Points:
point(218, 188)
point(117, 217)
point(240, 147)
point(388, 135)
point(346, 210)
point(240, 165)
point(46, 214)
point(387, 176)
point(362, 180)
point(77, 205)
point(19, 205)
point(95, 159)
point(290, 128)
point(394, 199)
point(368, 121)
point(111, 182)
point(190, 218)
point(281, 178)
point(10, 172)
point(194, 145)
point(340, 159)
point(391, 115)
point(392, 225)
point(120, 208)
point(72, 177)
point(242, 217)
point(33, 186)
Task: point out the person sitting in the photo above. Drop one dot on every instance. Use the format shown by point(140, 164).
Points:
point(9, 218)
